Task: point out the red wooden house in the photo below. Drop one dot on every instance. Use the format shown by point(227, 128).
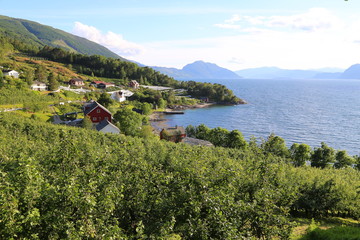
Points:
point(173, 134)
point(97, 112)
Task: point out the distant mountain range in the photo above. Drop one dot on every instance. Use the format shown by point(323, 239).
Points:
point(204, 70)
point(40, 35)
point(274, 72)
point(199, 70)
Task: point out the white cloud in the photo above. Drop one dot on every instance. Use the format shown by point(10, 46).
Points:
point(114, 42)
point(313, 19)
point(227, 26)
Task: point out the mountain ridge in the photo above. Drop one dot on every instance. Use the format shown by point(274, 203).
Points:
point(198, 70)
point(40, 35)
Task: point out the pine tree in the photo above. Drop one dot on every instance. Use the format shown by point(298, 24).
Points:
point(53, 83)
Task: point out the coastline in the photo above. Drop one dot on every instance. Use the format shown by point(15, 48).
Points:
point(158, 121)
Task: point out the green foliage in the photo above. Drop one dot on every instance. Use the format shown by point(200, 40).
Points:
point(105, 100)
point(300, 153)
point(41, 74)
point(215, 92)
point(59, 182)
point(334, 233)
point(275, 145)
point(342, 159)
point(53, 83)
point(87, 123)
point(30, 36)
point(322, 156)
point(12, 95)
point(130, 122)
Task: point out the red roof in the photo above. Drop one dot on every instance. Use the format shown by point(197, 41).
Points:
point(97, 82)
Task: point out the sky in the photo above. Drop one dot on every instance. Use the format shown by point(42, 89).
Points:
point(235, 34)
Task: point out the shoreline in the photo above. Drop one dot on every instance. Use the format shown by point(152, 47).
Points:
point(158, 121)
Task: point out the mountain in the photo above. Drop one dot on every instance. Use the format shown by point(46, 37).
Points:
point(199, 70)
point(40, 35)
point(352, 72)
point(274, 72)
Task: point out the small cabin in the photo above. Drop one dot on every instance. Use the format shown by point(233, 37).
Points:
point(76, 82)
point(11, 73)
point(38, 86)
point(173, 134)
point(134, 84)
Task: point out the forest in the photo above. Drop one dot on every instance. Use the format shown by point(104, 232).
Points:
point(59, 182)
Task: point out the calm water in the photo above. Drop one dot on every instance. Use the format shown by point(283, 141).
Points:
point(303, 111)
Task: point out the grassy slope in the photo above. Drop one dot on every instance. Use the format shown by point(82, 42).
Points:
point(40, 35)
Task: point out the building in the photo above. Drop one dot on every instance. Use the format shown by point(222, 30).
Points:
point(38, 86)
point(11, 73)
point(77, 82)
point(173, 134)
point(104, 85)
point(107, 127)
point(121, 95)
point(95, 83)
point(134, 84)
point(96, 112)
point(118, 96)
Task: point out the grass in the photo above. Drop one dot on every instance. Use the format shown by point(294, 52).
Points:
point(335, 226)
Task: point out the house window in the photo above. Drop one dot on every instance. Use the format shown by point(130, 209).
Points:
point(94, 118)
point(106, 118)
point(98, 110)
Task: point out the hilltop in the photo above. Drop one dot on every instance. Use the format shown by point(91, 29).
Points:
point(39, 35)
point(199, 70)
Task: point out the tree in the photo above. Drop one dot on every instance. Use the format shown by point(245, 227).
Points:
point(219, 136)
point(342, 159)
point(41, 74)
point(29, 77)
point(236, 140)
point(87, 123)
point(146, 108)
point(300, 153)
point(53, 83)
point(322, 156)
point(190, 131)
point(276, 146)
point(105, 100)
point(1, 79)
point(129, 122)
point(202, 132)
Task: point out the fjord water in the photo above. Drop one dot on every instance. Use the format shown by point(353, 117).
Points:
point(302, 111)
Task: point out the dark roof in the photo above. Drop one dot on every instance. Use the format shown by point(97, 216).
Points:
point(90, 106)
point(9, 70)
point(103, 124)
point(37, 82)
point(77, 79)
point(175, 130)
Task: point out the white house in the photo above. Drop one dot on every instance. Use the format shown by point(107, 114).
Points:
point(107, 127)
point(38, 86)
point(11, 73)
point(121, 95)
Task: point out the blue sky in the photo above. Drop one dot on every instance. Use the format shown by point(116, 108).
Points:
point(235, 34)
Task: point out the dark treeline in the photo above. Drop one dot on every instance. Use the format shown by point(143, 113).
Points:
point(59, 182)
point(298, 154)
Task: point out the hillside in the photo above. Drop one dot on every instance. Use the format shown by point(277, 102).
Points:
point(199, 70)
point(353, 72)
point(40, 35)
